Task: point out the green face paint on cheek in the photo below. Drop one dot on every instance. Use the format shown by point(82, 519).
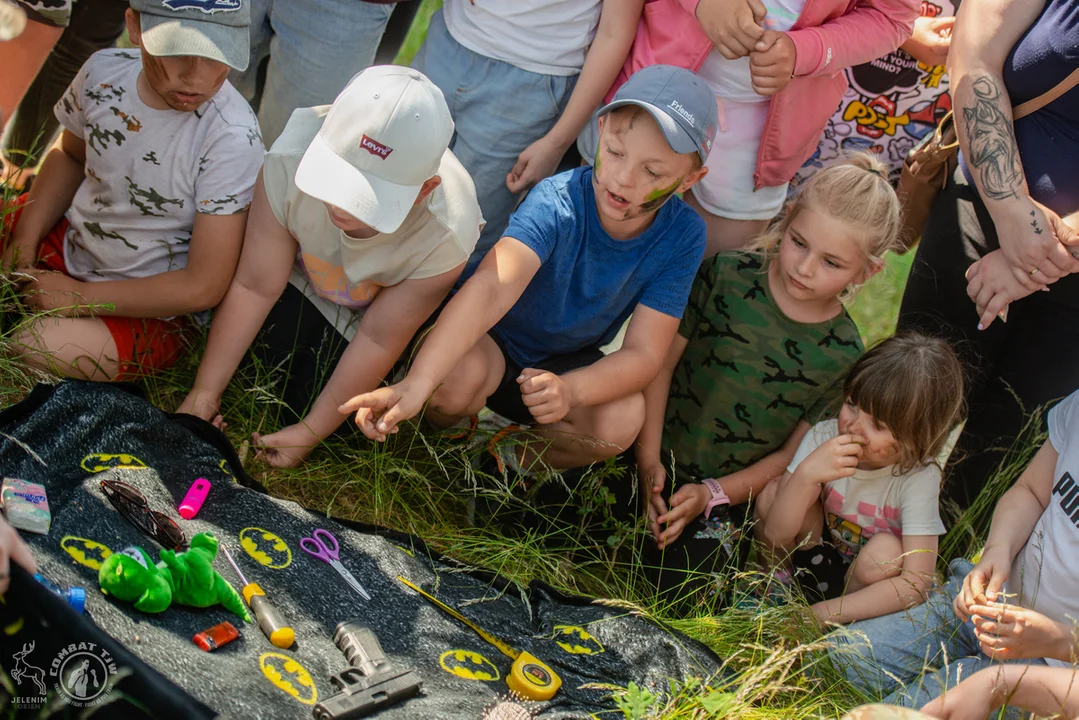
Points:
point(657, 197)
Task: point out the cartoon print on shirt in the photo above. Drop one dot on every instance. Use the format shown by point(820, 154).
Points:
point(891, 104)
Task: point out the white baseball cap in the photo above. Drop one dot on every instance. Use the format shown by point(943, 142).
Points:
point(383, 137)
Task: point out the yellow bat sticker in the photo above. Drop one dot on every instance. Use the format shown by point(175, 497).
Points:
point(468, 665)
point(289, 676)
point(88, 553)
point(266, 548)
point(100, 462)
point(576, 640)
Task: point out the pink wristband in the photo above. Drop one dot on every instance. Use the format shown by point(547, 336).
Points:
point(719, 497)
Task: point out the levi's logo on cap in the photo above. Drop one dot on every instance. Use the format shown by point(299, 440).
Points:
point(375, 147)
point(208, 7)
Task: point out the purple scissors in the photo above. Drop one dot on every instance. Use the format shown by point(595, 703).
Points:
point(323, 545)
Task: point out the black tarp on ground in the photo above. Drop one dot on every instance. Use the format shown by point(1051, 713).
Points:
point(62, 436)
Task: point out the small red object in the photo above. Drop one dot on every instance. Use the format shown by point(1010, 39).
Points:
point(216, 636)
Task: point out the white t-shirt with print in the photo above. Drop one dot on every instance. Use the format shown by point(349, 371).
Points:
point(1043, 574)
point(892, 103)
point(341, 275)
point(149, 171)
point(873, 501)
point(549, 37)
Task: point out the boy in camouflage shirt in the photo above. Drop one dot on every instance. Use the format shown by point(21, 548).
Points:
point(137, 219)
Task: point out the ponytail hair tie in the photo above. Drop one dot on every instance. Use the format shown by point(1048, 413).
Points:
point(876, 172)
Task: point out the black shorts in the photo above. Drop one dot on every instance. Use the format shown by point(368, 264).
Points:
point(507, 401)
point(821, 571)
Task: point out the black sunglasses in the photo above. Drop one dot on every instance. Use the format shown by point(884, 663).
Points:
point(133, 505)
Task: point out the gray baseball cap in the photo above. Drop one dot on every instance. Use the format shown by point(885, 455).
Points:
point(214, 29)
point(680, 102)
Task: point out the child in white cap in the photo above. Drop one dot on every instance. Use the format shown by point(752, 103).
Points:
point(136, 220)
point(362, 221)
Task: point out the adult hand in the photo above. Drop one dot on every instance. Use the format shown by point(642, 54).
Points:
point(12, 548)
point(1007, 632)
point(49, 291)
point(733, 26)
point(203, 405)
point(536, 162)
point(993, 284)
point(983, 583)
point(835, 459)
point(286, 448)
point(1037, 243)
point(687, 504)
point(546, 395)
point(379, 412)
point(972, 699)
point(771, 64)
point(931, 39)
point(652, 477)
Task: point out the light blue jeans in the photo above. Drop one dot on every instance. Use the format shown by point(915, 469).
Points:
point(498, 110)
point(315, 47)
point(911, 657)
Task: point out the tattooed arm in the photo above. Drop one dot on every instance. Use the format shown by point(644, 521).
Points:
point(985, 31)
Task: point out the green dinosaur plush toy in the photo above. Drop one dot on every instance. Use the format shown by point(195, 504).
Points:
point(187, 578)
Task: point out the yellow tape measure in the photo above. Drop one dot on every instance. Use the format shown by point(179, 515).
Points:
point(529, 676)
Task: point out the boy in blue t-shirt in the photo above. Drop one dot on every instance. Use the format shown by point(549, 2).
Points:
point(585, 249)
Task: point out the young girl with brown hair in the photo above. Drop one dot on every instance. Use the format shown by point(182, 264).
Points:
point(856, 515)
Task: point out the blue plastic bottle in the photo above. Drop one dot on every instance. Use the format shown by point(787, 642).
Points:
point(75, 597)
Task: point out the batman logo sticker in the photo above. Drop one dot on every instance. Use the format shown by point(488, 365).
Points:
point(289, 676)
point(468, 665)
point(576, 640)
point(100, 462)
point(265, 548)
point(87, 553)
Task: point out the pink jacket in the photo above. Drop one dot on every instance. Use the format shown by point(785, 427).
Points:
point(830, 35)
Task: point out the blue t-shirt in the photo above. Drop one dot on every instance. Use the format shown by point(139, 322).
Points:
point(588, 282)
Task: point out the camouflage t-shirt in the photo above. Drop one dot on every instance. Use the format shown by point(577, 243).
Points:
point(150, 171)
point(749, 373)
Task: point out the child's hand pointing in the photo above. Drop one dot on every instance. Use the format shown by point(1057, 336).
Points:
point(771, 64)
point(379, 411)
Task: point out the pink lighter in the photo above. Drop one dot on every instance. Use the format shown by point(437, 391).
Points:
point(196, 496)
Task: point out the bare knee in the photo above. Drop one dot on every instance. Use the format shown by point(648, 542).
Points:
point(78, 348)
point(762, 504)
point(458, 392)
point(880, 559)
point(615, 425)
point(467, 387)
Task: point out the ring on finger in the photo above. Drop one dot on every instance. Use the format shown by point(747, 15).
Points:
point(1035, 271)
